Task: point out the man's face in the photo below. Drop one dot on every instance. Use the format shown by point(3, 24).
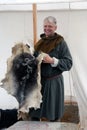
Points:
point(49, 28)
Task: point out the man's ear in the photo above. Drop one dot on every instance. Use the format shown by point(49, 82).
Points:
point(55, 27)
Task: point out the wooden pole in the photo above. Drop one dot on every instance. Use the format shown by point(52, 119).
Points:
point(35, 22)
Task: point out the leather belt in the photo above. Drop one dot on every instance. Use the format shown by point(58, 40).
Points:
point(52, 77)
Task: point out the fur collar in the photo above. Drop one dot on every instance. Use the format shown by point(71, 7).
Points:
point(47, 44)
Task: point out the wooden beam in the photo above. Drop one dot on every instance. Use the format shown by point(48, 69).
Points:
point(35, 23)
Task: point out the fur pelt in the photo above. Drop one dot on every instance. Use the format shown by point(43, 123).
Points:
point(22, 79)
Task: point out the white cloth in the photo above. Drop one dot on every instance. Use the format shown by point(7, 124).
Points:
point(7, 101)
point(55, 62)
point(79, 77)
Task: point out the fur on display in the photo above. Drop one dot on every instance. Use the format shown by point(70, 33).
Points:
point(22, 79)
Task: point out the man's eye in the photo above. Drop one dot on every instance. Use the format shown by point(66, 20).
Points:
point(50, 26)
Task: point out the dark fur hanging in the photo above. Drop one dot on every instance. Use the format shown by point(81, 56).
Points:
point(22, 79)
point(25, 71)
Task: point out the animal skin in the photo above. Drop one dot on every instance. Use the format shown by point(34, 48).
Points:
point(22, 79)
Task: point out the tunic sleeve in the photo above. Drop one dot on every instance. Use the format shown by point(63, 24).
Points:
point(65, 59)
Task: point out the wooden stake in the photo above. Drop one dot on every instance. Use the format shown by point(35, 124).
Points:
point(35, 22)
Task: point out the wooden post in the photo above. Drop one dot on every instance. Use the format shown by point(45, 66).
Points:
point(35, 23)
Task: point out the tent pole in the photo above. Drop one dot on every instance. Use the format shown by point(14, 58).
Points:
point(35, 22)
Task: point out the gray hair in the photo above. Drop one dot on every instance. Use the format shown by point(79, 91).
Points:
point(51, 19)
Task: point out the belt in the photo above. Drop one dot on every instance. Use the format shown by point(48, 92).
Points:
point(52, 77)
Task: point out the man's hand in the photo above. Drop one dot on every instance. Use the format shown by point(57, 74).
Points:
point(48, 59)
